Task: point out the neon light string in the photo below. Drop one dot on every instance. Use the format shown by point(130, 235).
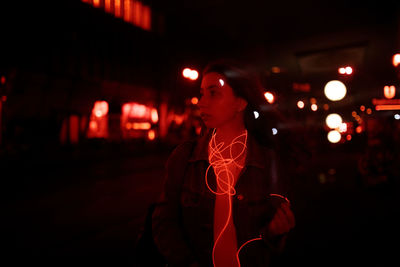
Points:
point(220, 165)
point(224, 187)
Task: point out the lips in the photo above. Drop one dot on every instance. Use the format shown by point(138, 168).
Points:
point(205, 116)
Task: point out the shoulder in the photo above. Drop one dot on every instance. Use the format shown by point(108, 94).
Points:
point(181, 152)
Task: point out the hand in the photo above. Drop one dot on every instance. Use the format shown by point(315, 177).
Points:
point(282, 222)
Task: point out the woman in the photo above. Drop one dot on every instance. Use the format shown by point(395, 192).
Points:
point(222, 203)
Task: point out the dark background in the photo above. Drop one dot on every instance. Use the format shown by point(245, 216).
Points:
point(85, 202)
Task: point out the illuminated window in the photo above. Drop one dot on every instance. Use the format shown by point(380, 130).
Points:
point(137, 120)
point(137, 18)
point(96, 3)
point(98, 124)
point(132, 11)
point(107, 6)
point(146, 21)
point(127, 10)
point(117, 8)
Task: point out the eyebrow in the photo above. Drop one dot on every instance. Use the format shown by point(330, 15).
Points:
point(209, 87)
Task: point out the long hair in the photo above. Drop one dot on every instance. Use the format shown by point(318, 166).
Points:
point(247, 85)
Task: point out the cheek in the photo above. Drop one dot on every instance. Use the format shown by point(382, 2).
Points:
point(225, 109)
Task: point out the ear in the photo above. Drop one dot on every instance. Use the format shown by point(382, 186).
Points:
point(242, 104)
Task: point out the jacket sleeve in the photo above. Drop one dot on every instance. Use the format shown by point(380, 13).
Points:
point(166, 224)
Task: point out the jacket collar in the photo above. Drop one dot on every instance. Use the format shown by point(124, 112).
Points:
point(255, 154)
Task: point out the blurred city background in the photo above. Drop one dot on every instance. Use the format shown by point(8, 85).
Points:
point(95, 94)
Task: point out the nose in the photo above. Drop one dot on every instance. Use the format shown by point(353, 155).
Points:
point(202, 103)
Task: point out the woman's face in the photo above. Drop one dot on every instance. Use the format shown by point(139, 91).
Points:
point(218, 105)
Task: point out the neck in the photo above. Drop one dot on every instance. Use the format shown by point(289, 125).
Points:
point(230, 131)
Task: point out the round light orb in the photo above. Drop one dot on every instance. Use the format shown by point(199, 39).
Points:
point(334, 136)
point(335, 90)
point(256, 114)
point(193, 75)
point(333, 120)
point(186, 72)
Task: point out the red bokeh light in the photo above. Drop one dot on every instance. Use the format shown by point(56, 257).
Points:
point(269, 97)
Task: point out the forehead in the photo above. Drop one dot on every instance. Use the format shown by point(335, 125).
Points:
point(211, 78)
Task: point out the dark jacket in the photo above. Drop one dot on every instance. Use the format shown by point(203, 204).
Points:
point(183, 219)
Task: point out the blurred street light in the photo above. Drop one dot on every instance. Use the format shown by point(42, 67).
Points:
point(190, 74)
point(396, 60)
point(333, 120)
point(345, 70)
point(335, 90)
point(314, 107)
point(334, 136)
point(269, 97)
point(389, 91)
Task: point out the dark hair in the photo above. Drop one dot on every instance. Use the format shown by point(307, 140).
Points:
point(246, 84)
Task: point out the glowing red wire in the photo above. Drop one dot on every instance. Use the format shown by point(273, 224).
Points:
point(220, 165)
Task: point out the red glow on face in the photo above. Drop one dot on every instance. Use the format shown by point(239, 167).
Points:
point(389, 91)
point(269, 97)
point(396, 60)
